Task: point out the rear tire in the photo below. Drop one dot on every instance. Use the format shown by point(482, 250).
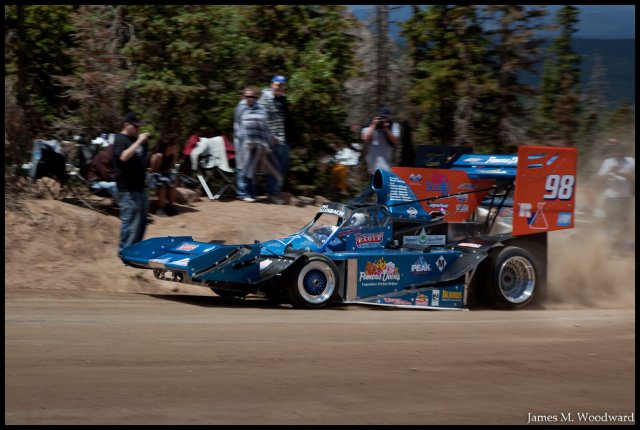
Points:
point(312, 282)
point(513, 278)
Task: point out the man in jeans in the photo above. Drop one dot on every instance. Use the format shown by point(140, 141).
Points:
point(274, 101)
point(241, 153)
point(130, 163)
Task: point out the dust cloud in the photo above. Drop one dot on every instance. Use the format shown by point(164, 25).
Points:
point(588, 268)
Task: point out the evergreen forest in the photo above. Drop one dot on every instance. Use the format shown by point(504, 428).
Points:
point(457, 80)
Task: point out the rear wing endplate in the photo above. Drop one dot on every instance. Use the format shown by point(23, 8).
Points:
point(545, 189)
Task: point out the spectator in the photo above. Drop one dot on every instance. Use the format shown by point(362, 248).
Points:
point(163, 177)
point(130, 163)
point(101, 175)
point(240, 153)
point(381, 137)
point(192, 141)
point(255, 143)
point(619, 173)
point(274, 101)
point(344, 160)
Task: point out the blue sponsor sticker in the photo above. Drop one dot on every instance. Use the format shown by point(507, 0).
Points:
point(564, 219)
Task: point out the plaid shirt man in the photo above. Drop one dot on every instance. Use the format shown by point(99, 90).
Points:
point(276, 108)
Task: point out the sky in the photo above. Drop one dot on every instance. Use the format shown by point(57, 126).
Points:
point(596, 21)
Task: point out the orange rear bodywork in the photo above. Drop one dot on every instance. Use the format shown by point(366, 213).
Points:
point(545, 189)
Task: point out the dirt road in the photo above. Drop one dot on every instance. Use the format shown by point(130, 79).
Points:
point(117, 358)
point(91, 341)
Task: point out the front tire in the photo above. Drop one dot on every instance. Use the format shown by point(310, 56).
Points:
point(513, 278)
point(313, 282)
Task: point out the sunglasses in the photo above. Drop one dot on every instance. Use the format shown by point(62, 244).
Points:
point(249, 97)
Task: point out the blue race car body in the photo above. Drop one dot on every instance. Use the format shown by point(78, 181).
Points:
point(434, 236)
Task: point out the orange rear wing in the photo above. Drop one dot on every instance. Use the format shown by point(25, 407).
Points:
point(545, 189)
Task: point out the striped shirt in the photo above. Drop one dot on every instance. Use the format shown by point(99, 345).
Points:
point(277, 113)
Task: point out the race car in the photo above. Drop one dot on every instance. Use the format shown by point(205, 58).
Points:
point(457, 229)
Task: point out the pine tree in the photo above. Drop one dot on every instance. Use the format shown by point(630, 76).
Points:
point(36, 38)
point(437, 70)
point(567, 109)
point(96, 89)
point(558, 110)
point(515, 50)
point(592, 121)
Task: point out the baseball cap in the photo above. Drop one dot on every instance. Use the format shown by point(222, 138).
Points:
point(134, 118)
point(383, 111)
point(279, 79)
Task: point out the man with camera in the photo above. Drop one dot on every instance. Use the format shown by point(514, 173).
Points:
point(381, 136)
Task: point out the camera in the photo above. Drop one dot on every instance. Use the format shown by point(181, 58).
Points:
point(380, 123)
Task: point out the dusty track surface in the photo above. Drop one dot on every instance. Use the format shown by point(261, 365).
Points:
point(90, 341)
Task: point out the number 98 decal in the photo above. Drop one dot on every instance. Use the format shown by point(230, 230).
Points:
point(559, 187)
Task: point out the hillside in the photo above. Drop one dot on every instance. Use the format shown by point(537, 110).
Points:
point(618, 57)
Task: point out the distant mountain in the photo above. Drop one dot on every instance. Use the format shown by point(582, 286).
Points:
point(596, 21)
point(617, 55)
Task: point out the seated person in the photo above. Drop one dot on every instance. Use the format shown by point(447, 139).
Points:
point(162, 177)
point(101, 175)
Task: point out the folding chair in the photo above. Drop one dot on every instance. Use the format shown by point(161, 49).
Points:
point(216, 164)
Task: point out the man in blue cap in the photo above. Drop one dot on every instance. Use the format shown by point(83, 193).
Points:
point(274, 101)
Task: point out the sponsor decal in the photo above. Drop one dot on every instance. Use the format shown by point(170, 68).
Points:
point(421, 239)
point(438, 182)
point(395, 301)
point(422, 300)
point(564, 219)
point(467, 186)
point(187, 247)
point(501, 160)
point(525, 210)
point(438, 205)
point(462, 198)
point(415, 177)
point(470, 245)
point(435, 298)
point(420, 267)
point(413, 212)
point(328, 210)
point(451, 295)
point(441, 263)
point(368, 240)
point(472, 159)
point(424, 239)
point(462, 208)
point(499, 171)
point(536, 220)
point(436, 239)
point(380, 271)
